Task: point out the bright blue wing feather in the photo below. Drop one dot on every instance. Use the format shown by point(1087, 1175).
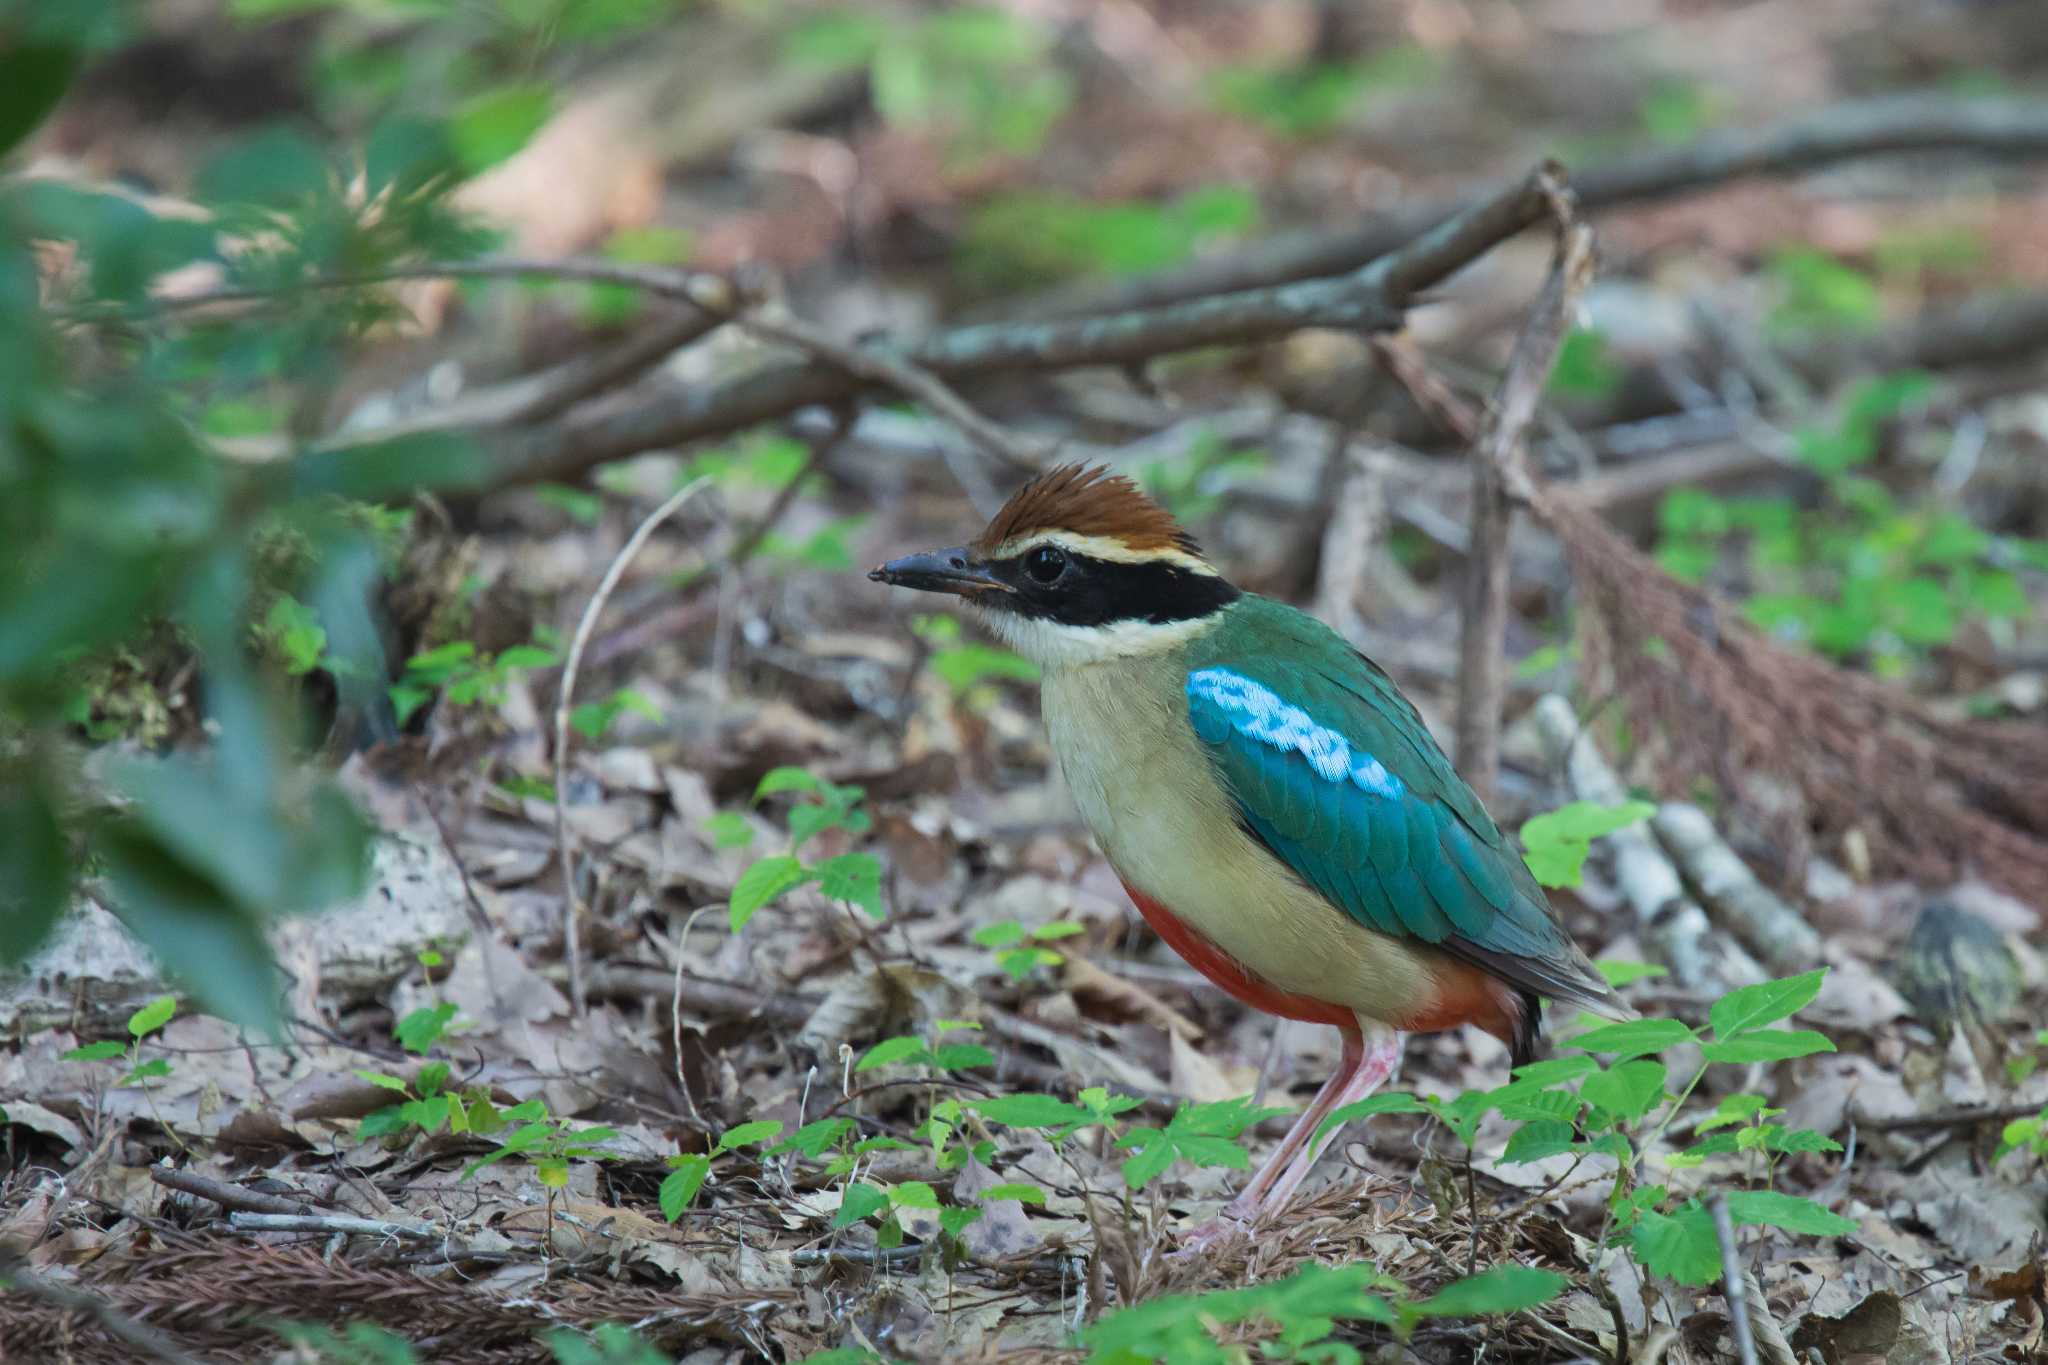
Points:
point(1333, 770)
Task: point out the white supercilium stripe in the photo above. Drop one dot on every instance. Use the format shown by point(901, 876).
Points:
point(1107, 548)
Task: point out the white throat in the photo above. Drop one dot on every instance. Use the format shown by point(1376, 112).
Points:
point(1052, 645)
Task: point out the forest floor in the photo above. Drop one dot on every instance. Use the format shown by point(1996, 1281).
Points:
point(1813, 397)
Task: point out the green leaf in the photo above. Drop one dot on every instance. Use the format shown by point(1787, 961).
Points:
point(493, 126)
point(101, 1051)
point(1768, 1045)
point(1682, 1245)
point(1503, 1289)
point(1558, 841)
point(962, 1057)
point(1393, 1102)
point(1628, 1090)
point(33, 78)
point(35, 873)
point(1551, 1070)
point(762, 883)
point(1001, 934)
point(1751, 1007)
point(205, 939)
point(152, 1016)
point(914, 1194)
point(383, 1081)
point(860, 1201)
point(1772, 1209)
point(747, 1135)
point(1536, 1141)
point(1030, 1111)
point(1634, 1038)
point(787, 779)
point(1023, 1194)
point(150, 1070)
point(422, 1028)
point(679, 1187)
point(813, 1139)
point(1154, 1155)
point(1623, 973)
point(890, 1050)
point(729, 829)
point(275, 168)
point(855, 878)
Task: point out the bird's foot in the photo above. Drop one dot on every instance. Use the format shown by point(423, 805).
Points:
point(1226, 1227)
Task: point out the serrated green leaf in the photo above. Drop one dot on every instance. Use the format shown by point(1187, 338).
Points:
point(423, 1027)
point(1001, 934)
point(1558, 841)
point(101, 1051)
point(1681, 1246)
point(1552, 1070)
point(763, 882)
point(679, 1187)
point(1199, 1150)
point(860, 1201)
point(1634, 1038)
point(1503, 1289)
point(814, 1139)
point(890, 1050)
point(855, 878)
point(1620, 974)
point(747, 1135)
point(1393, 1102)
point(1770, 1208)
point(787, 779)
point(1537, 1140)
point(914, 1194)
point(962, 1057)
point(1154, 1155)
point(1752, 1007)
point(1628, 1090)
point(1768, 1045)
point(1023, 1194)
point(1030, 1111)
point(383, 1081)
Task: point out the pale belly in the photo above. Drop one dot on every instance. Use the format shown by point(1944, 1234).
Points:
point(1145, 790)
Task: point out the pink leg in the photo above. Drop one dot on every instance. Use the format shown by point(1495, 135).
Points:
point(1366, 1064)
point(1381, 1061)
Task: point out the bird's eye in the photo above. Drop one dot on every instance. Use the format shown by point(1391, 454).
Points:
point(1046, 563)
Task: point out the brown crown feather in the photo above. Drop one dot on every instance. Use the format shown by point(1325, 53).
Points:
point(1087, 500)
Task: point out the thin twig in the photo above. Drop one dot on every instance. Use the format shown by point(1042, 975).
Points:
point(565, 697)
point(227, 1196)
point(1733, 1288)
point(1945, 1118)
point(912, 381)
point(1499, 473)
point(715, 294)
point(332, 1225)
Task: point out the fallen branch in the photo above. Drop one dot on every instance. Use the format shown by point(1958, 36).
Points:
point(1371, 298)
point(1772, 929)
point(1672, 925)
point(1499, 468)
point(1841, 132)
point(1733, 1287)
point(333, 1225)
point(228, 1196)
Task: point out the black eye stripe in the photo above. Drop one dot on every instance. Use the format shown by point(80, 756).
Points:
point(1100, 592)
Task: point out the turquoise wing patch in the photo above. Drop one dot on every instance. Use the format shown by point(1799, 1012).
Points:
point(1386, 849)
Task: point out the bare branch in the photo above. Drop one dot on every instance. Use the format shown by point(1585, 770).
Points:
point(1840, 132)
point(1371, 298)
point(1499, 472)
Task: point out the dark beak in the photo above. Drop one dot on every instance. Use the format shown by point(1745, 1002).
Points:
point(955, 571)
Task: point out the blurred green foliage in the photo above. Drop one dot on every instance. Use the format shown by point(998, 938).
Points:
point(1027, 238)
point(1859, 574)
point(1310, 100)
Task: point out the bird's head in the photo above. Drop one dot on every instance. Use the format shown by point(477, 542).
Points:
point(1079, 566)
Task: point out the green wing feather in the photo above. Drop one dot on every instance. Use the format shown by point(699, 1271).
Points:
point(1336, 773)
